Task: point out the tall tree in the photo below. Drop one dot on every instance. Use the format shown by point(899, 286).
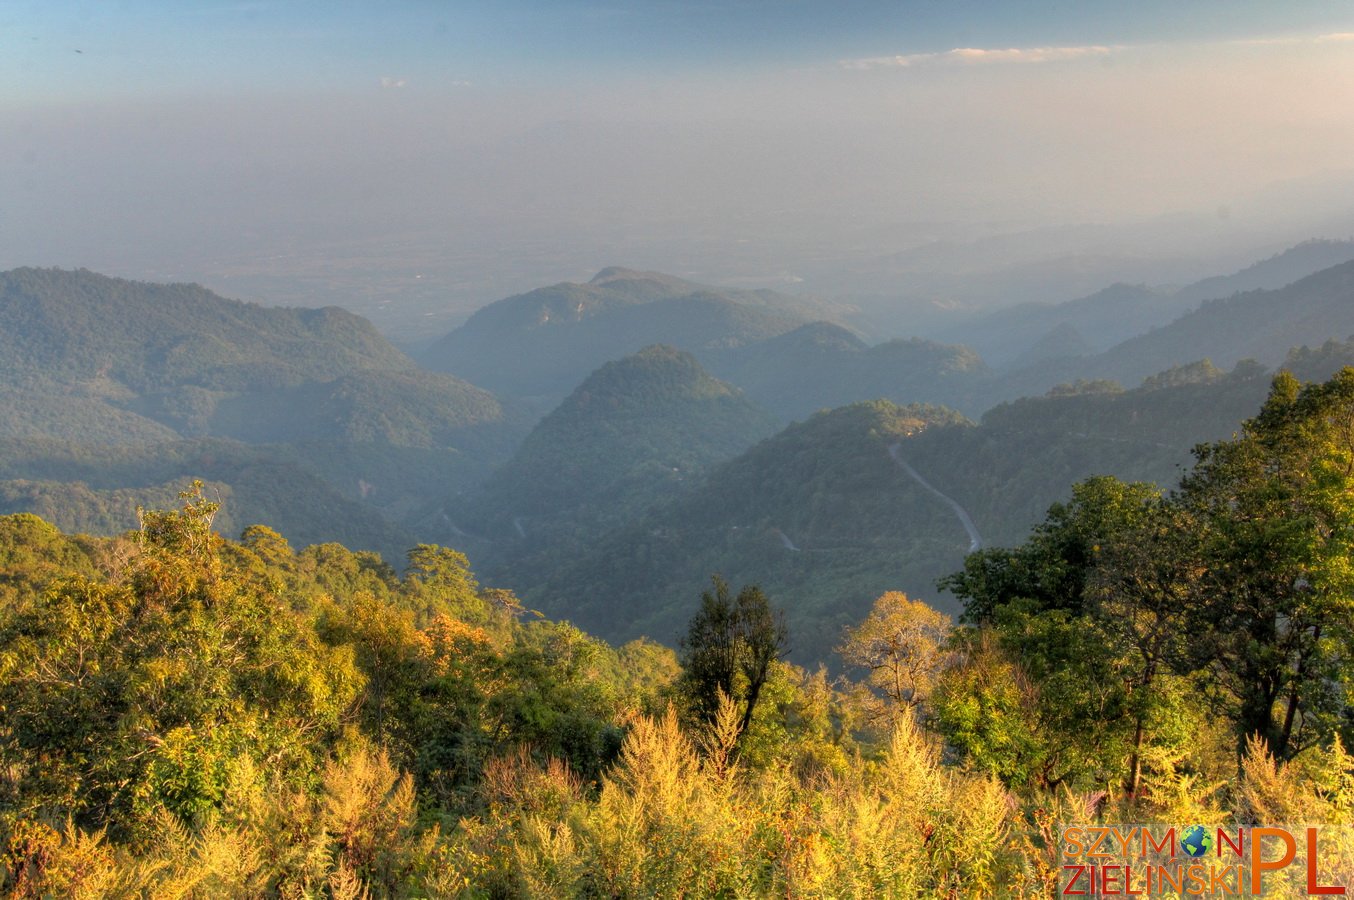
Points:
point(730, 645)
point(1274, 509)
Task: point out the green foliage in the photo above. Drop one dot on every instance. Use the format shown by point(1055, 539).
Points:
point(131, 694)
point(729, 648)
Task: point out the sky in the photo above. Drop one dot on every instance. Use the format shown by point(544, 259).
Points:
point(403, 157)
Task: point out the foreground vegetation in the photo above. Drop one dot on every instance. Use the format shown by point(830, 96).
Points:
point(193, 717)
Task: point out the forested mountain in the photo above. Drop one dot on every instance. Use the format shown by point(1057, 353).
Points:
point(637, 433)
point(1263, 325)
point(96, 371)
point(635, 430)
point(1102, 320)
point(822, 365)
point(821, 516)
point(1025, 454)
point(79, 326)
point(1277, 271)
point(543, 343)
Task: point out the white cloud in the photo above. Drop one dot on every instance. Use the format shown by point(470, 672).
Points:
point(389, 82)
point(976, 56)
point(1337, 36)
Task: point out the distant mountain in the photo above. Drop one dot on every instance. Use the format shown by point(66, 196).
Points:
point(1063, 342)
point(1026, 454)
point(1011, 337)
point(822, 366)
point(543, 343)
point(97, 490)
point(637, 432)
point(1275, 272)
point(635, 429)
point(93, 362)
point(78, 326)
point(820, 515)
point(1102, 319)
point(1261, 325)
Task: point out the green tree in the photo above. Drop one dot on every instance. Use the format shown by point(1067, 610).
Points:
point(729, 647)
point(1274, 512)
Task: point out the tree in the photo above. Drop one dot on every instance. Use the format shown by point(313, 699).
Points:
point(1273, 510)
point(730, 646)
point(902, 643)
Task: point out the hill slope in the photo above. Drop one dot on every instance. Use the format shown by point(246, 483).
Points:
point(820, 515)
point(542, 343)
point(1006, 337)
point(822, 365)
point(1261, 325)
point(92, 362)
point(638, 432)
point(825, 520)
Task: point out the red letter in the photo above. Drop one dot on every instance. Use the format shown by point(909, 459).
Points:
point(1312, 886)
point(1077, 872)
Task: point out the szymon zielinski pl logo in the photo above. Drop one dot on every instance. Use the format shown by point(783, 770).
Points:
point(1205, 861)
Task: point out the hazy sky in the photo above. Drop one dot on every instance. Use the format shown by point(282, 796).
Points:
point(202, 138)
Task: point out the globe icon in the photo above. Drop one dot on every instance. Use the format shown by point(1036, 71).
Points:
point(1196, 841)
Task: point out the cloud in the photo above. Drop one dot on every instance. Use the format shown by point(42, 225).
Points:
point(1337, 36)
point(976, 56)
point(389, 82)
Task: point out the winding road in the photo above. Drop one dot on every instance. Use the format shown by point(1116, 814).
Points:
point(975, 539)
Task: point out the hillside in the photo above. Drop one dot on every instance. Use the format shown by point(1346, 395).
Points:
point(638, 432)
point(1277, 271)
point(1102, 319)
point(78, 326)
point(1009, 337)
point(97, 490)
point(1262, 325)
point(1025, 454)
point(542, 343)
point(89, 364)
point(822, 365)
point(635, 429)
point(820, 515)
point(823, 519)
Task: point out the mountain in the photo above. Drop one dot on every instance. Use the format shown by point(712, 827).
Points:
point(542, 343)
point(825, 517)
point(1262, 325)
point(80, 327)
point(820, 515)
point(1277, 271)
point(1063, 342)
point(1102, 319)
point(635, 433)
point(95, 363)
point(97, 490)
point(1024, 455)
point(822, 365)
point(634, 429)
point(1011, 337)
